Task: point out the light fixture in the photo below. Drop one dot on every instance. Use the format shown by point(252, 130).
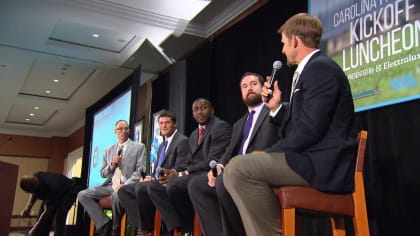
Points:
point(27, 119)
point(47, 91)
point(36, 108)
point(56, 80)
point(31, 114)
point(95, 35)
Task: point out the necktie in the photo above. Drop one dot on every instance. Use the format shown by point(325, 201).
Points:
point(161, 156)
point(116, 179)
point(245, 131)
point(200, 133)
point(295, 79)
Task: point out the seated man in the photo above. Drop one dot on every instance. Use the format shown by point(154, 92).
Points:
point(58, 194)
point(214, 206)
point(173, 151)
point(121, 164)
point(207, 142)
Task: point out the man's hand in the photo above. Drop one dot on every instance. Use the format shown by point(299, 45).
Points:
point(275, 100)
point(26, 212)
point(211, 178)
point(146, 179)
point(168, 174)
point(115, 160)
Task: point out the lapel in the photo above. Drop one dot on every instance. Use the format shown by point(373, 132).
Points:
point(169, 149)
point(209, 125)
point(258, 123)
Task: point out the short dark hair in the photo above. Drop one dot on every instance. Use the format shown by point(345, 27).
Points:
point(166, 113)
point(260, 78)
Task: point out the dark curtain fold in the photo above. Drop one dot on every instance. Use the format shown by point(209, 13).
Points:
point(392, 166)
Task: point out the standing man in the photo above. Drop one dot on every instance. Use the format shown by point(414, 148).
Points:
point(173, 151)
point(208, 142)
point(214, 206)
point(58, 193)
point(121, 165)
point(319, 140)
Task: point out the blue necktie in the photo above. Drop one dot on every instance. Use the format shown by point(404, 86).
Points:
point(245, 131)
point(161, 156)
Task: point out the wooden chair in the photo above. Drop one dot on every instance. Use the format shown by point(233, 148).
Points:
point(336, 206)
point(106, 203)
point(158, 222)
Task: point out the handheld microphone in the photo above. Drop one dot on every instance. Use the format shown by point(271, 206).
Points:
point(213, 165)
point(142, 173)
point(160, 171)
point(276, 68)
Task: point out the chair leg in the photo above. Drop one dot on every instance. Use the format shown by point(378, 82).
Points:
point(288, 221)
point(337, 225)
point(156, 231)
point(123, 224)
point(177, 232)
point(91, 228)
point(197, 227)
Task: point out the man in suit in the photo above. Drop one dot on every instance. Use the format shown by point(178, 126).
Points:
point(318, 142)
point(173, 151)
point(214, 206)
point(207, 142)
point(123, 160)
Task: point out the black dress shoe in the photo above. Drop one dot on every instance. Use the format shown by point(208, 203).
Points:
point(115, 232)
point(105, 230)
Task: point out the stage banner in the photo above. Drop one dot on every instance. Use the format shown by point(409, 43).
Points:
point(376, 42)
point(157, 139)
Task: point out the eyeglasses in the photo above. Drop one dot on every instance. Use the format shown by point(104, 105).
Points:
point(122, 128)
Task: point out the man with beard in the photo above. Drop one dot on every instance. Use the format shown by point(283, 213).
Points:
point(214, 206)
point(207, 142)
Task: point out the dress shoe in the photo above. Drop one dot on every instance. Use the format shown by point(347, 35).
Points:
point(105, 230)
point(146, 233)
point(116, 232)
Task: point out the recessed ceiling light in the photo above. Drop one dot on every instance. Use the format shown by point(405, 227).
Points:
point(48, 91)
point(56, 80)
point(27, 119)
point(36, 108)
point(31, 114)
point(95, 35)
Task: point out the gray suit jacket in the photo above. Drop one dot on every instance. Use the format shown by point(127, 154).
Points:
point(134, 158)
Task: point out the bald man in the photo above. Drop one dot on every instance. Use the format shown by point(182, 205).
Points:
point(58, 193)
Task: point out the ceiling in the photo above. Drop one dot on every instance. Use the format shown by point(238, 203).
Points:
point(58, 57)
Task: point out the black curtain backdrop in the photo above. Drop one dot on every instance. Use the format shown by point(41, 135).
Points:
point(392, 175)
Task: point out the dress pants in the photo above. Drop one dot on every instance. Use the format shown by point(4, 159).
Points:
point(215, 208)
point(249, 179)
point(140, 209)
point(173, 203)
point(89, 200)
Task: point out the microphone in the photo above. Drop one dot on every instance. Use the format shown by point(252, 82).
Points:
point(213, 165)
point(160, 171)
point(276, 68)
point(142, 173)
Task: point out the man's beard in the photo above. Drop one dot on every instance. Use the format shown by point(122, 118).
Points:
point(252, 100)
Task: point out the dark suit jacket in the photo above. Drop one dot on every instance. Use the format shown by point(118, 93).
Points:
point(263, 135)
point(177, 153)
point(215, 140)
point(318, 127)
